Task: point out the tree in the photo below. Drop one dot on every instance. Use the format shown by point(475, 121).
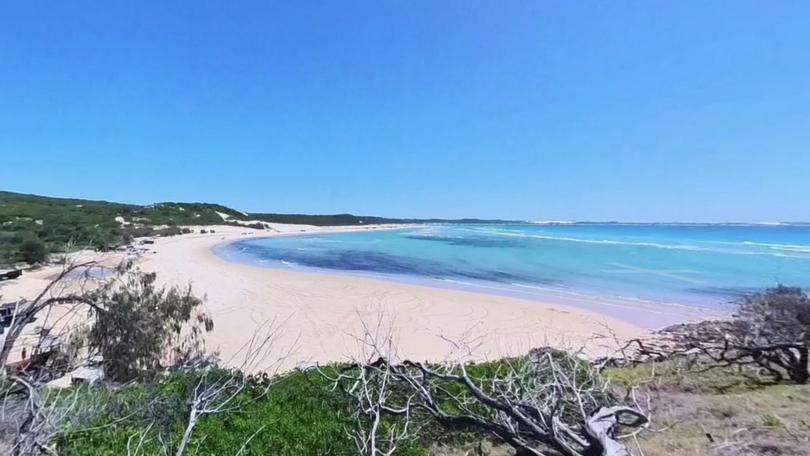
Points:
point(775, 326)
point(33, 250)
point(138, 325)
point(134, 325)
point(770, 331)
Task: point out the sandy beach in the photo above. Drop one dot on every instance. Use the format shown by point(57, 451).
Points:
point(320, 316)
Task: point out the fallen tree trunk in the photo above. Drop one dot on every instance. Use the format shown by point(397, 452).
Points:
point(601, 427)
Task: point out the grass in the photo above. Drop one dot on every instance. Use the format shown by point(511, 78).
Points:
point(677, 377)
point(719, 412)
point(771, 421)
point(299, 415)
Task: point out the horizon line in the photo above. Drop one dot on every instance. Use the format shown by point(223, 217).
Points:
point(483, 219)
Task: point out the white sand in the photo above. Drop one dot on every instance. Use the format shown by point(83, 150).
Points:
point(321, 314)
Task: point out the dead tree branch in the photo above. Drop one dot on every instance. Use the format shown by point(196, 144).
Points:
point(547, 402)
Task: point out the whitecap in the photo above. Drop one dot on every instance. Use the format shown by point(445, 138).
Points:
point(688, 247)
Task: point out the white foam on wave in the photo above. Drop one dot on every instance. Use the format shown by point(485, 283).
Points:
point(788, 247)
point(688, 247)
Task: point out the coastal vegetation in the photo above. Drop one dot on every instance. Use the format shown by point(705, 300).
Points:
point(33, 226)
point(161, 392)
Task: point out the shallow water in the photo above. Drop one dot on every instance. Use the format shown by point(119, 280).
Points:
point(696, 265)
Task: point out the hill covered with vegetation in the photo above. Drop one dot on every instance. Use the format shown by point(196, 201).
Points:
point(31, 226)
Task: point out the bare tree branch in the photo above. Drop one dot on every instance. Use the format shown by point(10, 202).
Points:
point(548, 401)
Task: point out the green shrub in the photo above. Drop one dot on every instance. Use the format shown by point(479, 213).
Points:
point(298, 415)
point(771, 421)
point(33, 250)
point(137, 324)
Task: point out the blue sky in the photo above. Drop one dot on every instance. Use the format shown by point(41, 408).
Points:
point(637, 111)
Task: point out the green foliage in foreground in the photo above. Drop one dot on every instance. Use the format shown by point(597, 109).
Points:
point(301, 414)
point(298, 415)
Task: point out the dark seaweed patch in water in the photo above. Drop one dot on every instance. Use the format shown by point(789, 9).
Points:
point(472, 241)
point(363, 260)
point(359, 260)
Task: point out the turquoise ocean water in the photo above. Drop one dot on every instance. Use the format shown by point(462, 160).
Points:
point(631, 271)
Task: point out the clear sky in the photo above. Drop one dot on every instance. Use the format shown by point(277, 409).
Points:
point(620, 110)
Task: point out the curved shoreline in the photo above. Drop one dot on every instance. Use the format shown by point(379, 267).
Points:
point(646, 313)
point(322, 314)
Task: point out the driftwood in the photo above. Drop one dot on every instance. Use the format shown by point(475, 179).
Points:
point(601, 429)
point(549, 402)
point(770, 332)
point(533, 412)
